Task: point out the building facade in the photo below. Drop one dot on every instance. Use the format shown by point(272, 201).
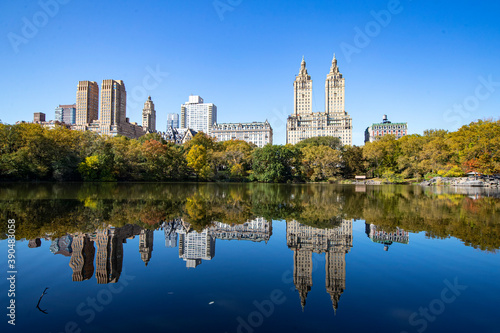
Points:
point(258, 133)
point(66, 114)
point(38, 117)
point(195, 246)
point(149, 116)
point(82, 258)
point(256, 230)
point(173, 120)
point(178, 135)
point(197, 115)
point(381, 236)
point(376, 131)
point(302, 91)
point(87, 102)
point(146, 239)
point(334, 121)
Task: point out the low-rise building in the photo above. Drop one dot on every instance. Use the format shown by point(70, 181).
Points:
point(39, 117)
point(178, 135)
point(66, 114)
point(258, 133)
point(376, 131)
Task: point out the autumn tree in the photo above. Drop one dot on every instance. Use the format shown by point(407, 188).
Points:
point(320, 162)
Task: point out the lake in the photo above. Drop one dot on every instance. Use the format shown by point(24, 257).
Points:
point(251, 258)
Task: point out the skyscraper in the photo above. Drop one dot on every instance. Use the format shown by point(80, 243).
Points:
point(173, 120)
point(87, 102)
point(149, 116)
point(66, 114)
point(334, 90)
point(197, 115)
point(334, 121)
point(302, 91)
point(113, 102)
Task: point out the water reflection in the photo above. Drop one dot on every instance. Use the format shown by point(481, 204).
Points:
point(379, 235)
point(197, 246)
point(194, 246)
point(335, 243)
point(91, 228)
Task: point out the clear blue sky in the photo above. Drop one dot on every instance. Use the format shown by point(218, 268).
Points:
point(242, 55)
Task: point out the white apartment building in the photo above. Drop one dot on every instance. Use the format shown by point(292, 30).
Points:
point(258, 133)
point(197, 115)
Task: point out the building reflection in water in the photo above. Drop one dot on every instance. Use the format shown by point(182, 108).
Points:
point(379, 235)
point(334, 242)
point(197, 246)
point(82, 259)
point(106, 246)
point(256, 230)
point(146, 245)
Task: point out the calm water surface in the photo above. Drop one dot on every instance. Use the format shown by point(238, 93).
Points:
point(252, 258)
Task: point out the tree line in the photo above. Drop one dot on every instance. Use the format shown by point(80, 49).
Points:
point(31, 152)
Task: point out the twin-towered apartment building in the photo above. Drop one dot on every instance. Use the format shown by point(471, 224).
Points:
point(334, 121)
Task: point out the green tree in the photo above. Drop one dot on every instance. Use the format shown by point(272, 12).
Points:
point(96, 168)
point(353, 162)
point(276, 164)
point(382, 155)
point(409, 160)
point(329, 141)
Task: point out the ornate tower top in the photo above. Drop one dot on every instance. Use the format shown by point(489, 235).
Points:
point(335, 68)
point(303, 70)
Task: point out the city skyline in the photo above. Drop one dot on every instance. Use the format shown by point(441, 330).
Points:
point(431, 65)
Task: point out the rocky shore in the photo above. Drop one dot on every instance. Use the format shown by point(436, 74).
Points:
point(481, 181)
